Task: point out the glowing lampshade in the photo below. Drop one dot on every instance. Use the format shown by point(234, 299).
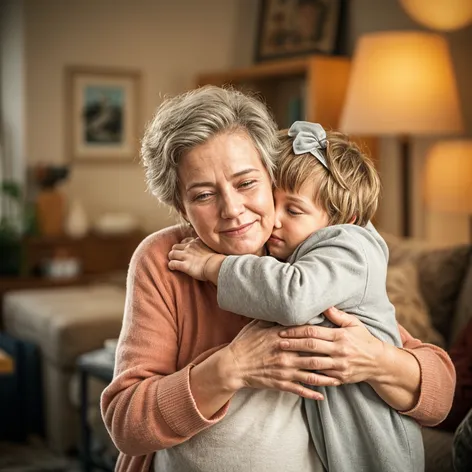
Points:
point(448, 177)
point(443, 15)
point(401, 83)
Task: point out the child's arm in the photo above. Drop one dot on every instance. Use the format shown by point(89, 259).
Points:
point(326, 273)
point(196, 259)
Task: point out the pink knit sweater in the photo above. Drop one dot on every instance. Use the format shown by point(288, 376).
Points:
point(171, 322)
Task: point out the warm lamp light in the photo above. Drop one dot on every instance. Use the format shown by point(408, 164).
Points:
point(444, 15)
point(402, 84)
point(448, 178)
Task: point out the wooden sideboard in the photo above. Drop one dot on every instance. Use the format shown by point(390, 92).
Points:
point(98, 255)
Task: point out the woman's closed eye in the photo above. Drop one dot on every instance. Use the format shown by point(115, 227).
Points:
point(202, 196)
point(247, 184)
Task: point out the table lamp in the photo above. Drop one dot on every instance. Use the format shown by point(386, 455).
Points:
point(444, 15)
point(402, 84)
point(448, 178)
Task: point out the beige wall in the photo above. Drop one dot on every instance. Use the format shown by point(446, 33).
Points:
point(170, 42)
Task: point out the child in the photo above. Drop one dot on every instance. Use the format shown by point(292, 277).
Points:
point(329, 254)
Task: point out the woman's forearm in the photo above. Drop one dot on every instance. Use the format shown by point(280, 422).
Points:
point(398, 378)
point(212, 383)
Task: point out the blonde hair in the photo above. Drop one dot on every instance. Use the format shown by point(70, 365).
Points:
point(348, 191)
point(192, 118)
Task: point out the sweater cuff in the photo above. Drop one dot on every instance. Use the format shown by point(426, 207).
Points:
point(429, 384)
point(178, 407)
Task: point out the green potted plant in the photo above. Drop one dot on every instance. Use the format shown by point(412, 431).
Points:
point(13, 225)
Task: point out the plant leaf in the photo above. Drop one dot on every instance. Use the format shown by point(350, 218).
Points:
point(12, 189)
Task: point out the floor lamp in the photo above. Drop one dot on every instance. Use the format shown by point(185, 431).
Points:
point(402, 84)
point(448, 178)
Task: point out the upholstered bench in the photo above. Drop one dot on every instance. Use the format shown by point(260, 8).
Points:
point(64, 323)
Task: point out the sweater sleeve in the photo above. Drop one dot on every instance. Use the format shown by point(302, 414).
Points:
point(325, 272)
point(438, 381)
point(149, 405)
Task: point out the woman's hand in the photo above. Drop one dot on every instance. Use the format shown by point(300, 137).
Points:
point(353, 353)
point(190, 257)
point(257, 361)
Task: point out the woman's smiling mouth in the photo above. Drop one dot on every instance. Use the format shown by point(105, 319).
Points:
point(238, 231)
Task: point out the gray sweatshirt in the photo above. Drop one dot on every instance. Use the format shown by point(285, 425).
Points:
point(344, 266)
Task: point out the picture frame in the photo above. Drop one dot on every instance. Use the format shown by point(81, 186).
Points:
point(289, 28)
point(102, 114)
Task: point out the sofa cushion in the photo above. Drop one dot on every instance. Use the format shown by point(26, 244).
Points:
point(65, 322)
point(410, 308)
point(442, 272)
point(441, 276)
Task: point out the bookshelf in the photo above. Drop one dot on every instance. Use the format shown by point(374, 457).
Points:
point(309, 88)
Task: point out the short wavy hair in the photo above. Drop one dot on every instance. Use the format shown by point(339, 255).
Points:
point(192, 118)
point(348, 191)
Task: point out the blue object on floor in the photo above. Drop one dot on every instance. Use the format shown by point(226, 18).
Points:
point(21, 399)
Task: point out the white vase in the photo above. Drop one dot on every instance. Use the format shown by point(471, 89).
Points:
point(77, 224)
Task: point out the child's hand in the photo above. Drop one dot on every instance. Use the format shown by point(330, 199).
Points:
point(190, 257)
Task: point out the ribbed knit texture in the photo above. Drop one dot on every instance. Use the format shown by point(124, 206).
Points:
point(169, 321)
point(174, 396)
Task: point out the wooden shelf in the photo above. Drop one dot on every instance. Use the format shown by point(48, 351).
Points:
point(322, 80)
point(265, 70)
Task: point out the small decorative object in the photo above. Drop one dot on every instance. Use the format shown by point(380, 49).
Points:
point(76, 225)
point(61, 266)
point(116, 223)
point(50, 201)
point(102, 114)
point(297, 27)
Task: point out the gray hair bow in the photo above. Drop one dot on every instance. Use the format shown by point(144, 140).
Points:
point(309, 137)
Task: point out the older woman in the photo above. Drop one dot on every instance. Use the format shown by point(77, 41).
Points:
point(199, 389)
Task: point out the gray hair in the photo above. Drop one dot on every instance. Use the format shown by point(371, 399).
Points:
point(192, 118)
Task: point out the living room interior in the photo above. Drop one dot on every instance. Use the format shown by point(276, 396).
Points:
point(74, 204)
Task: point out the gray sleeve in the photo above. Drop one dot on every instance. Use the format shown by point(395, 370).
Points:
point(324, 273)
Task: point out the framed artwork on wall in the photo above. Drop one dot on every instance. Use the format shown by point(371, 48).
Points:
point(297, 27)
point(102, 110)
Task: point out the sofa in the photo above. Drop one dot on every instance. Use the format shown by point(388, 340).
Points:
point(430, 287)
point(64, 323)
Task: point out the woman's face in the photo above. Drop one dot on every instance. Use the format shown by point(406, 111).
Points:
point(227, 194)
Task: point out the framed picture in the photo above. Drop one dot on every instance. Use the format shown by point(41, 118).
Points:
point(102, 109)
point(297, 27)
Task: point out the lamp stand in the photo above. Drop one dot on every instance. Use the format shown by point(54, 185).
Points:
point(405, 184)
point(470, 228)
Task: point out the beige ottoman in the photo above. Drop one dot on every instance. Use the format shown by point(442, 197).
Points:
point(64, 323)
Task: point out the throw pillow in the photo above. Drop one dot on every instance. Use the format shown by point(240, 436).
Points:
point(410, 308)
point(461, 356)
point(441, 275)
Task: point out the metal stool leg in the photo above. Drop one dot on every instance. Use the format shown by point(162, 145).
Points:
point(84, 426)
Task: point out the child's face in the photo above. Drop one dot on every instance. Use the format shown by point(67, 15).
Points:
point(297, 216)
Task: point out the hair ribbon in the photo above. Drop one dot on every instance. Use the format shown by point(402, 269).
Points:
point(309, 137)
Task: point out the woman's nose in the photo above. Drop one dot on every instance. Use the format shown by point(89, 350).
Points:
point(231, 206)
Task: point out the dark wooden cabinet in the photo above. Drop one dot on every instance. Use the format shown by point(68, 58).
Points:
point(98, 256)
